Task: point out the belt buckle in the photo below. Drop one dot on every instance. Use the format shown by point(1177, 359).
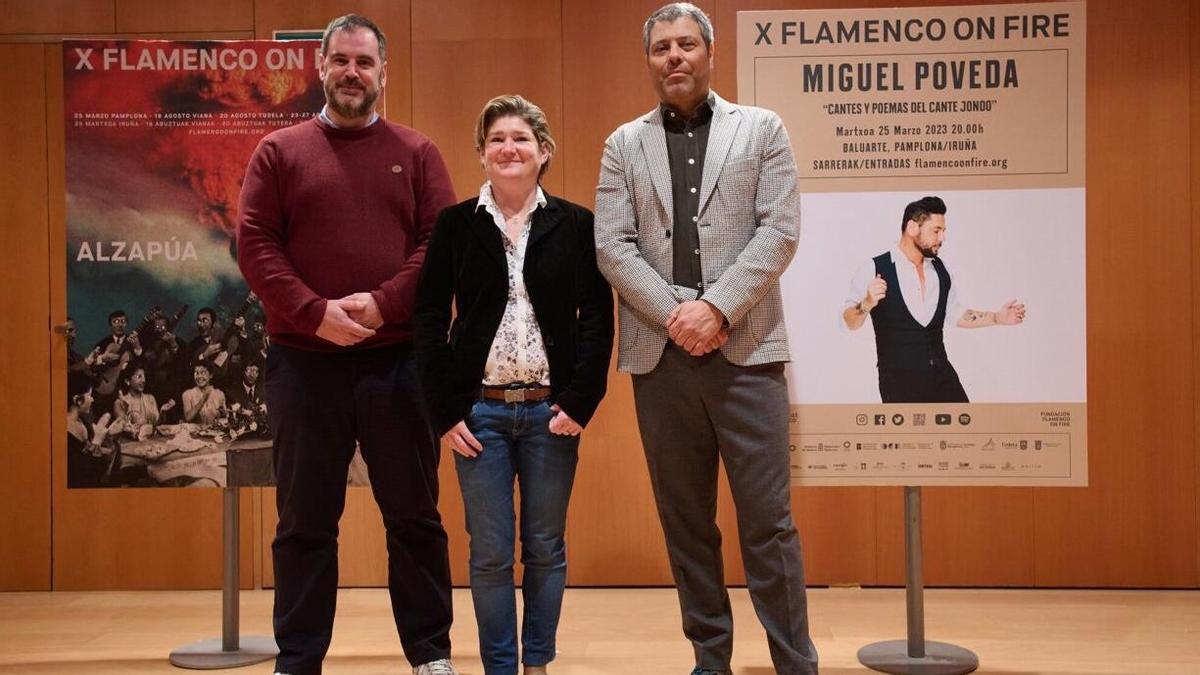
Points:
point(514, 395)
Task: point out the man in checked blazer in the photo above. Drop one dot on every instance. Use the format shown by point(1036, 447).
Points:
point(696, 218)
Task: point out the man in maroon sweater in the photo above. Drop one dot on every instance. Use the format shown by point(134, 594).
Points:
point(334, 219)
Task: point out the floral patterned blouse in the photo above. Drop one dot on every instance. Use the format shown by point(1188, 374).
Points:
point(517, 355)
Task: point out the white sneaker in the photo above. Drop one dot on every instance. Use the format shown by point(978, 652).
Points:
point(439, 667)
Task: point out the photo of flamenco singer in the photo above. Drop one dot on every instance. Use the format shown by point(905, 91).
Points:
point(925, 270)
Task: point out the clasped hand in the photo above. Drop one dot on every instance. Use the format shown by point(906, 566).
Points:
point(697, 326)
point(350, 320)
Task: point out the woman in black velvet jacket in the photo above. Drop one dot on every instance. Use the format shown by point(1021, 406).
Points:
point(513, 379)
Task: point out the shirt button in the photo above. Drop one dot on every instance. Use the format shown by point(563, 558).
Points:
point(691, 161)
point(695, 218)
point(690, 134)
point(693, 190)
point(697, 251)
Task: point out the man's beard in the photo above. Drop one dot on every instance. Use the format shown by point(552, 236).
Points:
point(351, 111)
point(928, 252)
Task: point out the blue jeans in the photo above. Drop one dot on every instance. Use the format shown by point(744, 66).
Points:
point(517, 446)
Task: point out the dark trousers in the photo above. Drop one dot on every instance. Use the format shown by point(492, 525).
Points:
point(935, 382)
point(320, 404)
point(693, 413)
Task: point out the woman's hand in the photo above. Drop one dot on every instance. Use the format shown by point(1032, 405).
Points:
point(562, 424)
point(103, 428)
point(461, 440)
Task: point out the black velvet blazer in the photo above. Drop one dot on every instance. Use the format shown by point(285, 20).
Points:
point(573, 303)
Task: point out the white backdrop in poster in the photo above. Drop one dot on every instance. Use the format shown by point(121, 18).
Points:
point(1000, 245)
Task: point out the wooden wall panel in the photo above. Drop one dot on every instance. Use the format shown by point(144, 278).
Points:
point(839, 530)
point(1194, 72)
point(464, 53)
point(149, 16)
point(50, 17)
point(1135, 525)
point(25, 371)
point(614, 538)
point(972, 536)
point(392, 17)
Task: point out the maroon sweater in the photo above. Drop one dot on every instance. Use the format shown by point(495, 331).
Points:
point(328, 212)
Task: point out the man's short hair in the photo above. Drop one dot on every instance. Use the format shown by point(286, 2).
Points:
point(920, 210)
point(202, 364)
point(116, 314)
point(350, 23)
point(678, 10)
point(515, 105)
point(212, 313)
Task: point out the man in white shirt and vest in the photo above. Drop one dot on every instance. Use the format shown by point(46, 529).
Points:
point(909, 320)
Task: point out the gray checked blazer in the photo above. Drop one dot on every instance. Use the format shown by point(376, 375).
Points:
point(748, 223)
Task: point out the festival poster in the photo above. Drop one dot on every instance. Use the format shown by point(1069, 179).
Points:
point(948, 348)
point(167, 347)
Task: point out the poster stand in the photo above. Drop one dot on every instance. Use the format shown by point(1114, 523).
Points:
point(916, 656)
point(230, 650)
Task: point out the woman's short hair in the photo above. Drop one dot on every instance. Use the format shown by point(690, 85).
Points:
point(515, 105)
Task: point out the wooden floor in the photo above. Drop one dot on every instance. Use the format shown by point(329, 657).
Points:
point(625, 631)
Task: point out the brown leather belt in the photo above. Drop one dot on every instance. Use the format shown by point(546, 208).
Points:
point(515, 394)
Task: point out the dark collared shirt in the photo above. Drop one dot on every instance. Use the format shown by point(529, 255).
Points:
point(686, 144)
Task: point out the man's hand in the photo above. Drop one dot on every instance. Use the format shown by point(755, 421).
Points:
point(337, 326)
point(369, 316)
point(461, 440)
point(716, 342)
point(1011, 314)
point(562, 424)
point(876, 291)
point(693, 324)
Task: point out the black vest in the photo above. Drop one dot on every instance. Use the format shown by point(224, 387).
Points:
point(901, 342)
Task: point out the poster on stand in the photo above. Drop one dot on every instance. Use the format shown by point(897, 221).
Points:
point(167, 349)
point(936, 305)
